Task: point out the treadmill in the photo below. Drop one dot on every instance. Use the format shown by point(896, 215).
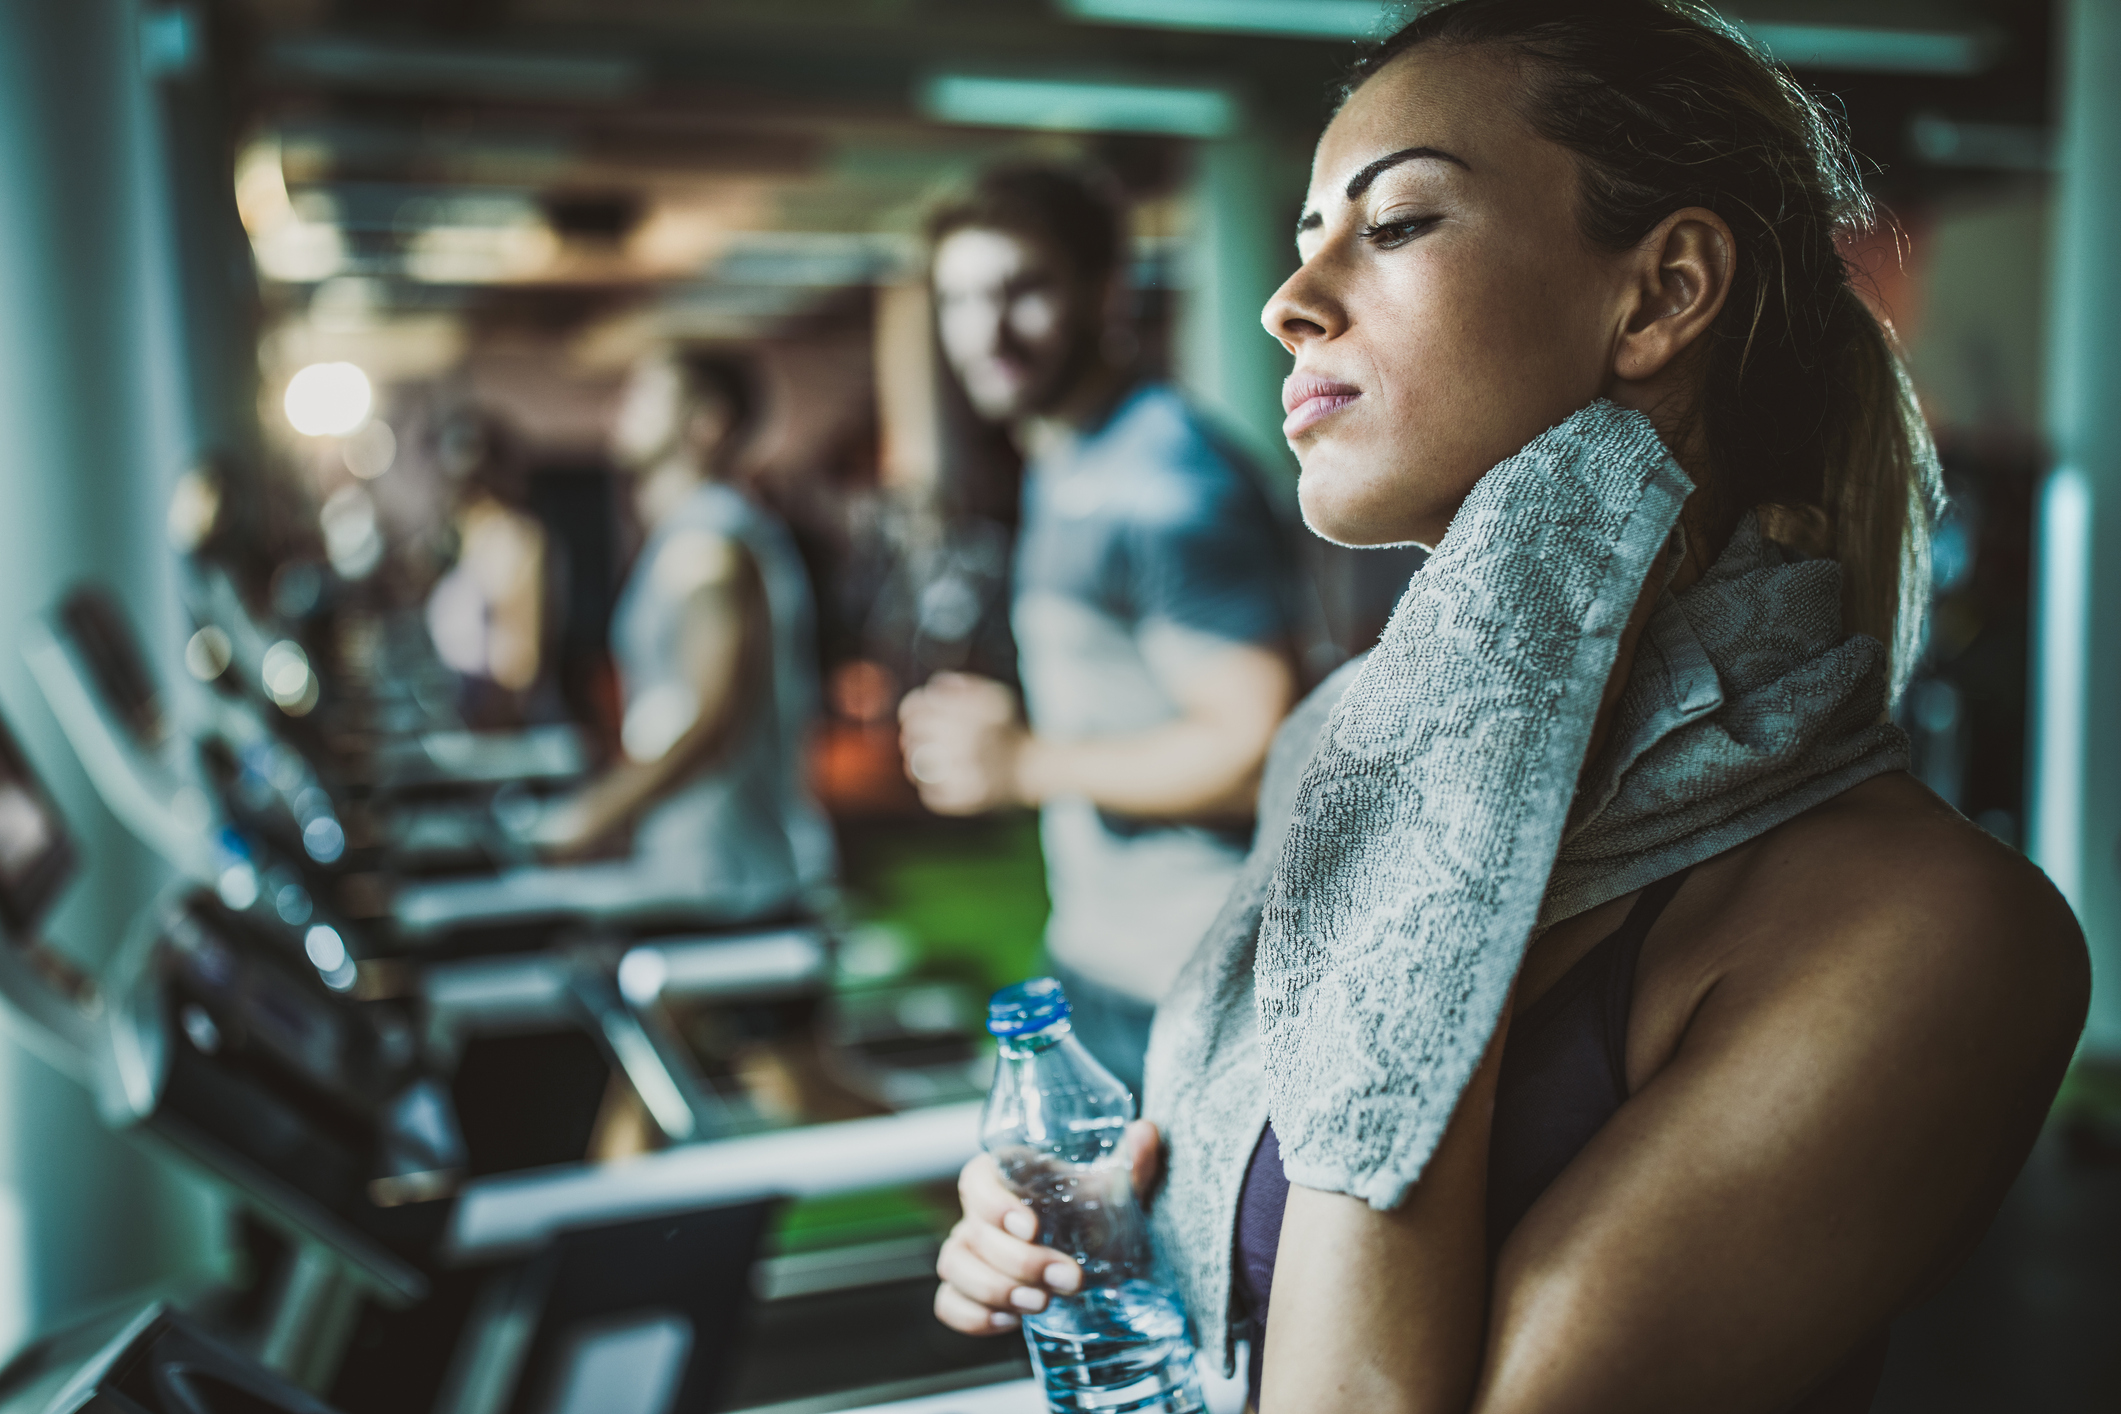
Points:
point(243, 1047)
point(252, 821)
point(209, 787)
point(264, 836)
point(154, 1362)
point(319, 1113)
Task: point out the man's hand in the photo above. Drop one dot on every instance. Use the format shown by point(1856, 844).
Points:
point(968, 751)
point(964, 744)
point(586, 824)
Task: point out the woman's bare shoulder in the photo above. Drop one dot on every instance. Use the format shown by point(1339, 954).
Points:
point(1886, 887)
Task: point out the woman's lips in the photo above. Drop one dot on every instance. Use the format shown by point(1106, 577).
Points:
point(1309, 401)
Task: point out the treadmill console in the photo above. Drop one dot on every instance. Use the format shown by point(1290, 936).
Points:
point(162, 1363)
point(97, 627)
point(36, 854)
point(316, 1105)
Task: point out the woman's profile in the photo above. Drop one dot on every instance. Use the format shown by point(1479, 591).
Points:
point(1604, 1020)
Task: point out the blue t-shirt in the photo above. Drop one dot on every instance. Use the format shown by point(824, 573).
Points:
point(1145, 545)
point(1149, 517)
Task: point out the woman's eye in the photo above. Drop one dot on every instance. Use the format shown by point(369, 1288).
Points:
point(1388, 234)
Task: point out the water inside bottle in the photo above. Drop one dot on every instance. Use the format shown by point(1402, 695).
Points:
point(1113, 1350)
point(1056, 1124)
point(1085, 1210)
point(1119, 1344)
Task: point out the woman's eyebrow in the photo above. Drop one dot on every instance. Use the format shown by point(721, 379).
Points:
point(1360, 182)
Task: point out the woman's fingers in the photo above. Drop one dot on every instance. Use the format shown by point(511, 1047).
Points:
point(985, 1197)
point(961, 1267)
point(992, 1272)
point(961, 1313)
point(1022, 1262)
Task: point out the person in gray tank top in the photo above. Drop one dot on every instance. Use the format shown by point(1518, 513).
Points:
point(713, 638)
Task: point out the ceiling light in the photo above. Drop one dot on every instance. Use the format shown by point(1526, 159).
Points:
point(1812, 46)
point(1889, 51)
point(1300, 19)
point(328, 399)
point(453, 69)
point(2006, 147)
point(1067, 105)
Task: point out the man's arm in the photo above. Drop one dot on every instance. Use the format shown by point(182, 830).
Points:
point(724, 630)
point(968, 751)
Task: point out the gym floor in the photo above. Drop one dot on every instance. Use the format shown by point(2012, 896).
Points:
point(2029, 1322)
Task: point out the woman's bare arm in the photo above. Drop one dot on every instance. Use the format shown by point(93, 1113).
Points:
point(1384, 1312)
point(1853, 1081)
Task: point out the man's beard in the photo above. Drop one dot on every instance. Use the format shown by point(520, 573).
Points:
point(1067, 375)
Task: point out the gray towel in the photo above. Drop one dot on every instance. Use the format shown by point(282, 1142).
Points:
point(1414, 840)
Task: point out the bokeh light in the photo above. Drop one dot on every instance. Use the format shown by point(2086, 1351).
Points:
point(328, 399)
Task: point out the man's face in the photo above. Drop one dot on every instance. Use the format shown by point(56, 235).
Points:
point(651, 413)
point(1018, 326)
point(660, 416)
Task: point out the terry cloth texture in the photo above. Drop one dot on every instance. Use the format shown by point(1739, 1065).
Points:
point(1416, 825)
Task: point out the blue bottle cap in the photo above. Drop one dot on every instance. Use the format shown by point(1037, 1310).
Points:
point(1026, 1007)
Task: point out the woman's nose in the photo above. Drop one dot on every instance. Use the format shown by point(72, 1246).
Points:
point(1300, 311)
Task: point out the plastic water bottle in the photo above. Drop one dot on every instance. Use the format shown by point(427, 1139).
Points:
point(1054, 1122)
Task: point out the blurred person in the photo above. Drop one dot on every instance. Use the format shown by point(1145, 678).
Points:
point(1152, 607)
point(713, 641)
point(1606, 1020)
point(490, 614)
point(714, 635)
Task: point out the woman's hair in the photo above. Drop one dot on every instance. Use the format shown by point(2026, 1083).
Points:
point(1070, 210)
point(1806, 412)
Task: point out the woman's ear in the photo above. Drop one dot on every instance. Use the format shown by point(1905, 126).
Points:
point(1682, 275)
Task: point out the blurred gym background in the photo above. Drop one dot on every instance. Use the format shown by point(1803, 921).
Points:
point(325, 263)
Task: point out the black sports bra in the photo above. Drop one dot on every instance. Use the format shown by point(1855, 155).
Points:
point(1564, 1074)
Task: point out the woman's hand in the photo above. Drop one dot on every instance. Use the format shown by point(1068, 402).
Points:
point(992, 1269)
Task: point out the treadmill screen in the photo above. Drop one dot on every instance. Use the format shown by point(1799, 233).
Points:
point(105, 641)
point(36, 857)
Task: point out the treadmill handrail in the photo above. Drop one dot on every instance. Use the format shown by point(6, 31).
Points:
point(48, 1024)
point(137, 789)
point(511, 1213)
point(723, 965)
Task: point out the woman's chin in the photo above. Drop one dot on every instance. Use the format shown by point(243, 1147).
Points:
point(1355, 521)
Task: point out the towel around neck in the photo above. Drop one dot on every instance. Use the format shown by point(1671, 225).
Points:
point(1424, 812)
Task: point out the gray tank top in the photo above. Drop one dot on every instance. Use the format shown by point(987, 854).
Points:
point(744, 836)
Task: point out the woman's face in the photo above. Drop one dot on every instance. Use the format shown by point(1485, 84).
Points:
point(1447, 310)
